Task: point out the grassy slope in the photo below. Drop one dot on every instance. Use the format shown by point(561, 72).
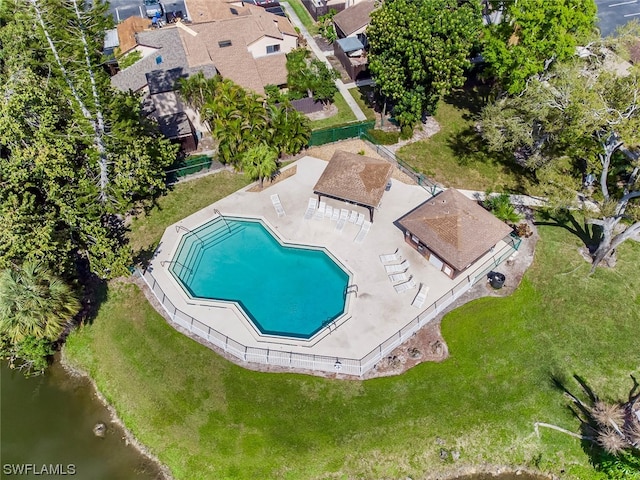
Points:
point(207, 418)
point(359, 95)
point(456, 157)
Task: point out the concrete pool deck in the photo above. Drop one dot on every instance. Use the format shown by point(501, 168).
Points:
point(373, 316)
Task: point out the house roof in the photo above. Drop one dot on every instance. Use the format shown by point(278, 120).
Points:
point(161, 81)
point(354, 18)
point(127, 32)
point(455, 228)
point(204, 11)
point(354, 178)
point(111, 38)
point(225, 43)
point(165, 53)
point(175, 126)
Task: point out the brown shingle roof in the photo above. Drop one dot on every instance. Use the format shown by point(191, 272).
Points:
point(354, 178)
point(127, 32)
point(455, 228)
point(353, 18)
point(202, 11)
point(235, 62)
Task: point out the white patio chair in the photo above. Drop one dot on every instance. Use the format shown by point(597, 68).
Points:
point(391, 257)
point(320, 211)
point(344, 214)
point(328, 212)
point(311, 208)
point(418, 302)
point(403, 287)
point(360, 219)
point(275, 200)
point(399, 277)
point(397, 268)
point(353, 217)
point(366, 226)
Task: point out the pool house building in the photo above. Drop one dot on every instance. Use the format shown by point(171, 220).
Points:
point(452, 231)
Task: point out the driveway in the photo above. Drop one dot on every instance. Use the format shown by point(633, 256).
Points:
point(615, 13)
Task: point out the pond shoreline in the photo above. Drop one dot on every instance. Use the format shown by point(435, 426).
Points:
point(457, 473)
point(129, 437)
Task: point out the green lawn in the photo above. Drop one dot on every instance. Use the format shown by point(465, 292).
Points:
point(456, 156)
point(304, 16)
point(344, 115)
point(184, 199)
point(359, 94)
point(207, 418)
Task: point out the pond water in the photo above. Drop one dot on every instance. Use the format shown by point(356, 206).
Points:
point(46, 423)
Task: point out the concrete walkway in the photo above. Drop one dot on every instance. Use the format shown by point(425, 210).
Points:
point(355, 108)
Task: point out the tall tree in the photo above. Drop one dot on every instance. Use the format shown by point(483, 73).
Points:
point(580, 122)
point(532, 34)
point(307, 77)
point(419, 50)
point(260, 162)
point(34, 303)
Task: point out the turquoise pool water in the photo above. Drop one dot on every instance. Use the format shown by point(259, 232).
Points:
point(285, 290)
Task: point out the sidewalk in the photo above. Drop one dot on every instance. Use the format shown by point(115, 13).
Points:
point(355, 108)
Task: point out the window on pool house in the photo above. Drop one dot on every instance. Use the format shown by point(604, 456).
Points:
point(273, 49)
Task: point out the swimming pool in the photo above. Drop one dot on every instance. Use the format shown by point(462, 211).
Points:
point(285, 290)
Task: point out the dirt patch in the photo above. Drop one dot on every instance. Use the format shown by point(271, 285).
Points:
point(327, 111)
point(426, 129)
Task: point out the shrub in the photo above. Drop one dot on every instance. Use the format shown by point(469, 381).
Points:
point(383, 137)
point(406, 133)
point(501, 207)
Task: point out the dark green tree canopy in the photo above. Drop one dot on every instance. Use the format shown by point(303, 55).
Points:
point(419, 50)
point(533, 33)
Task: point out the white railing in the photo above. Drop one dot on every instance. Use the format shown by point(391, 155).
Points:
point(307, 361)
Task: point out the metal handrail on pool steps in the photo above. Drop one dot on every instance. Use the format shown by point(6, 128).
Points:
point(178, 227)
point(163, 262)
point(215, 210)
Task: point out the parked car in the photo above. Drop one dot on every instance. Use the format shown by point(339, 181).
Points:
point(153, 8)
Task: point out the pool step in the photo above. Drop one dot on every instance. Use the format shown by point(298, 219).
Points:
point(193, 248)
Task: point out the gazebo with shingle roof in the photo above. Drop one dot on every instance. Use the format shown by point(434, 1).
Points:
point(452, 231)
point(355, 179)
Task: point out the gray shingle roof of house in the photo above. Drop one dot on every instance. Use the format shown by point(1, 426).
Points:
point(161, 81)
point(169, 55)
point(354, 18)
point(175, 126)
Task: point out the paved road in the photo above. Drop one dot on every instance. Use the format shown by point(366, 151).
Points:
point(615, 13)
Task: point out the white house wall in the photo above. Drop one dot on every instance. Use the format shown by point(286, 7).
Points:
point(259, 47)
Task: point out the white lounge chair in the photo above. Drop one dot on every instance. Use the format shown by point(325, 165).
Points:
point(418, 302)
point(320, 211)
point(275, 200)
point(311, 208)
point(391, 257)
point(399, 277)
point(335, 215)
point(360, 219)
point(366, 226)
point(353, 217)
point(403, 287)
point(344, 214)
point(328, 211)
point(397, 268)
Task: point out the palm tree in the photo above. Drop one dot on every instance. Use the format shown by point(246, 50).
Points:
point(260, 162)
point(34, 302)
